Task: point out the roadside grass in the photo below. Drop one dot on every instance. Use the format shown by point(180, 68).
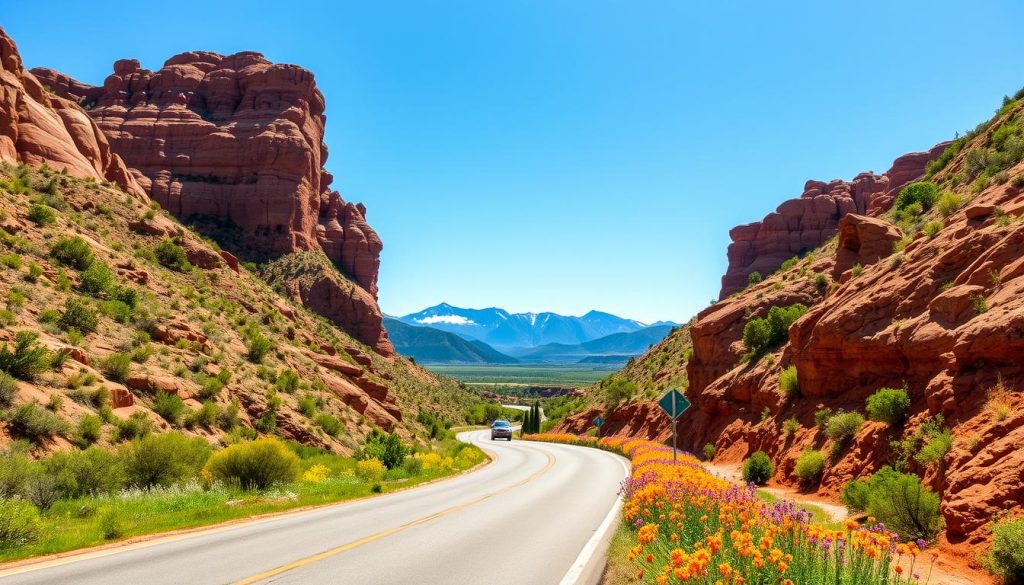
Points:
point(620, 570)
point(818, 514)
point(94, 520)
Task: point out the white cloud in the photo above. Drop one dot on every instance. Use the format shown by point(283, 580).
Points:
point(446, 319)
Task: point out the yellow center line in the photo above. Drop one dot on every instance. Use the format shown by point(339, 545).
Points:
point(385, 533)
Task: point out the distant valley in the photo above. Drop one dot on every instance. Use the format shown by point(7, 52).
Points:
point(445, 334)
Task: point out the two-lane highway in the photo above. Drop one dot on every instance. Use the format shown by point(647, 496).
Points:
point(537, 514)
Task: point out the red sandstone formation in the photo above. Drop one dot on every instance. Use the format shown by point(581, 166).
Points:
point(39, 128)
point(239, 140)
point(802, 224)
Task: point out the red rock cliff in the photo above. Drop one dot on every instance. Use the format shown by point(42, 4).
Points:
point(239, 140)
point(804, 223)
point(39, 128)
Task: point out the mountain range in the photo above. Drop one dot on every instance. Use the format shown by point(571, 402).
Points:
point(449, 334)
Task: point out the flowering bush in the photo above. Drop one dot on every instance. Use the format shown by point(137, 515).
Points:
point(316, 474)
point(692, 527)
point(371, 470)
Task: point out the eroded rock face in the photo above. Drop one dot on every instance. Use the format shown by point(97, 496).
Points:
point(38, 128)
point(863, 241)
point(806, 222)
point(235, 143)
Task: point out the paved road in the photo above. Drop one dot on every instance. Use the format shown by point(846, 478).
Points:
point(535, 515)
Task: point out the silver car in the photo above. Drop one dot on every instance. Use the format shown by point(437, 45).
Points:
point(501, 429)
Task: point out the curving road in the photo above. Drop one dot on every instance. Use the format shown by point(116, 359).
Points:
point(538, 514)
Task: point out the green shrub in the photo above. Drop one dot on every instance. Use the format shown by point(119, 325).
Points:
point(8, 389)
point(809, 466)
point(19, 523)
point(922, 193)
point(93, 471)
point(116, 310)
point(790, 426)
point(211, 387)
point(898, 500)
point(413, 466)
point(760, 334)
point(331, 425)
point(111, 524)
point(935, 449)
point(27, 359)
point(96, 279)
point(932, 229)
point(12, 261)
point(386, 447)
point(948, 203)
point(307, 406)
point(164, 459)
point(980, 304)
point(136, 426)
point(169, 406)
point(257, 464)
point(41, 215)
point(788, 382)
point(35, 423)
point(90, 429)
point(1006, 557)
point(78, 316)
point(287, 381)
point(257, 346)
point(889, 405)
point(753, 278)
point(116, 366)
point(171, 255)
point(758, 468)
point(709, 452)
point(204, 416)
point(842, 427)
point(73, 252)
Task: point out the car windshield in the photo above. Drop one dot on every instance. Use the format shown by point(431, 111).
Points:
point(501, 424)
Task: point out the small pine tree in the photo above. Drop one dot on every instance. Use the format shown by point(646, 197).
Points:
point(526, 423)
point(535, 417)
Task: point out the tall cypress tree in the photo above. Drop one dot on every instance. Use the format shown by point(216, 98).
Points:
point(535, 417)
point(526, 423)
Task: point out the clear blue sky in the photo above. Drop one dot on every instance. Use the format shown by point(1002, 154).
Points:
point(570, 155)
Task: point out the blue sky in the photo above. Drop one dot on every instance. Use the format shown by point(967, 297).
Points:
point(575, 155)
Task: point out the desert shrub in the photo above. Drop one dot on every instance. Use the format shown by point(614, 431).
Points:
point(136, 426)
point(618, 391)
point(116, 366)
point(170, 255)
point(922, 192)
point(753, 278)
point(35, 423)
point(948, 203)
point(210, 388)
point(90, 429)
point(1006, 557)
point(330, 424)
point(842, 427)
point(758, 468)
point(257, 346)
point(204, 416)
point(980, 304)
point(709, 452)
point(287, 381)
point(760, 334)
point(889, 405)
point(41, 215)
point(26, 359)
point(81, 473)
point(935, 448)
point(227, 418)
point(371, 470)
point(79, 316)
point(790, 426)
point(932, 229)
point(111, 524)
point(169, 406)
point(809, 466)
point(307, 406)
point(73, 252)
point(257, 464)
point(19, 523)
point(898, 500)
point(385, 447)
point(164, 459)
point(8, 389)
point(788, 382)
point(97, 279)
point(413, 466)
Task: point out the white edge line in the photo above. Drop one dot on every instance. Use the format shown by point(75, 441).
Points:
point(580, 564)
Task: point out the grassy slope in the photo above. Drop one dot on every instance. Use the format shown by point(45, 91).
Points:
point(217, 304)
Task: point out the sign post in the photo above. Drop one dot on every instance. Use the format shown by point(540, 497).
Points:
point(598, 421)
point(674, 404)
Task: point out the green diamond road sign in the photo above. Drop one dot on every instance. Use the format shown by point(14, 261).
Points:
point(598, 421)
point(674, 403)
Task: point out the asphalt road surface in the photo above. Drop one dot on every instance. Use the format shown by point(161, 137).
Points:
point(538, 514)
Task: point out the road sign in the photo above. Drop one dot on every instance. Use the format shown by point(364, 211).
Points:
point(674, 404)
point(598, 421)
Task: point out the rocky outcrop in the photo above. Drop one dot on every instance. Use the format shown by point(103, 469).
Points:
point(863, 241)
point(39, 128)
point(802, 224)
point(235, 145)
